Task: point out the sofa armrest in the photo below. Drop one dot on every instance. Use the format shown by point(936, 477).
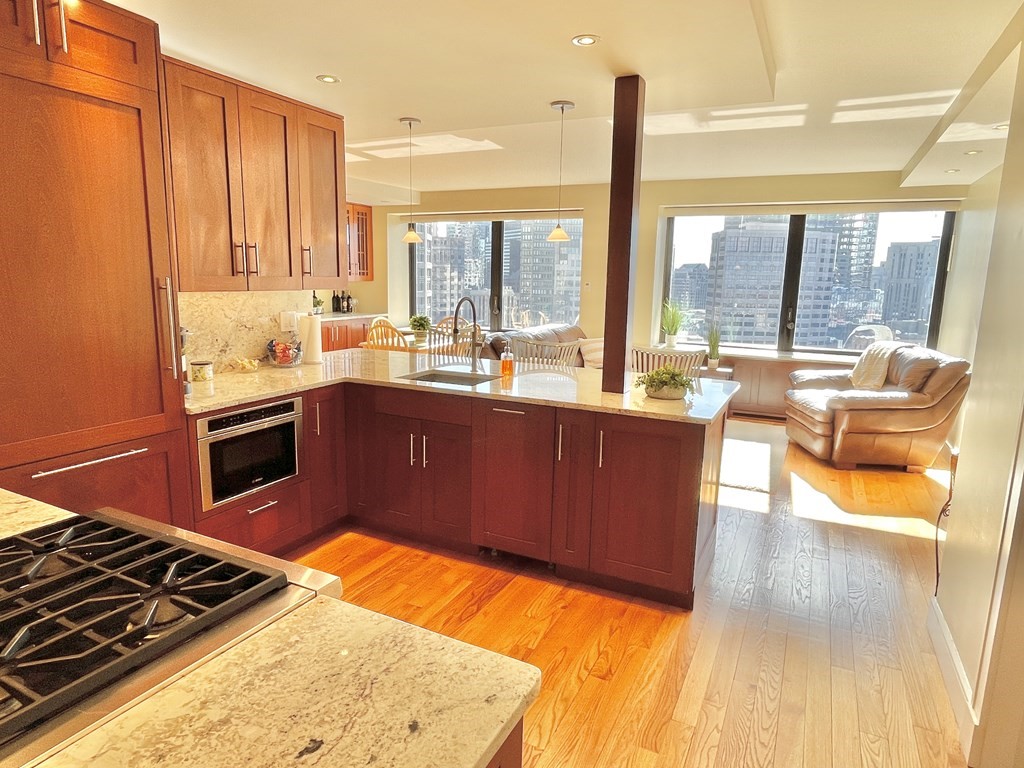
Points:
point(827, 379)
point(864, 400)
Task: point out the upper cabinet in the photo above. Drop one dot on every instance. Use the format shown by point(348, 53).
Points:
point(360, 242)
point(258, 187)
point(86, 36)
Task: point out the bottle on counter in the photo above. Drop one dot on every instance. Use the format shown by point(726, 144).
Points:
point(348, 303)
point(508, 362)
point(336, 301)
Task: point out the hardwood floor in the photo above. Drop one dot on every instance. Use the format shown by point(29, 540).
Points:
point(807, 645)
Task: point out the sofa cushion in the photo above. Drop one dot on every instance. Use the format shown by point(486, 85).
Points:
point(910, 367)
point(811, 403)
point(593, 352)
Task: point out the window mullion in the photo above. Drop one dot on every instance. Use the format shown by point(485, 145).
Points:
point(494, 304)
point(791, 282)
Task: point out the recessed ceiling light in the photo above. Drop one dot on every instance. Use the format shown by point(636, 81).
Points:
point(972, 152)
point(952, 170)
point(585, 40)
point(328, 78)
point(1002, 127)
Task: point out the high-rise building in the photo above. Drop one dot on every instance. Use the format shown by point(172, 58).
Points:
point(689, 286)
point(856, 235)
point(909, 282)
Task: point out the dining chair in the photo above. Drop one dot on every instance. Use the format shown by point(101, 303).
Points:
point(552, 352)
point(385, 336)
point(646, 359)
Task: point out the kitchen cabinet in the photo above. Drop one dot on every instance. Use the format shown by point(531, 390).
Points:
point(575, 461)
point(360, 467)
point(325, 454)
point(513, 458)
point(360, 242)
point(258, 183)
point(21, 27)
point(272, 521)
point(343, 334)
point(423, 464)
point(147, 477)
point(85, 236)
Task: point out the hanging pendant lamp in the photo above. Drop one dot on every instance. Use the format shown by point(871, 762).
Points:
point(411, 236)
point(559, 235)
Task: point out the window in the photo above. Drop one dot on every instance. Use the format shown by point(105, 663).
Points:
point(505, 264)
point(842, 280)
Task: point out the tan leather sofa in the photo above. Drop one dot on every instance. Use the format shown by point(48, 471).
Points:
point(494, 343)
point(903, 424)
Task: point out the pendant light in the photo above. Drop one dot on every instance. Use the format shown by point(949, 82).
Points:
point(411, 236)
point(559, 235)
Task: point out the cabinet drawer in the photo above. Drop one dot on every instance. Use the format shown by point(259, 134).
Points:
point(267, 522)
point(450, 409)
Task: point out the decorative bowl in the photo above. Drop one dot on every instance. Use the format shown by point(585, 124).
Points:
point(284, 354)
point(666, 393)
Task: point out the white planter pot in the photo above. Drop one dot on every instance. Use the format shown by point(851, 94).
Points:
point(670, 340)
point(712, 363)
point(666, 393)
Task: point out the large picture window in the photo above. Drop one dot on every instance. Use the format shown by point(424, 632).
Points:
point(824, 281)
point(514, 275)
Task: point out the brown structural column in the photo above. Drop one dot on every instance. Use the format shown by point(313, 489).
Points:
point(623, 212)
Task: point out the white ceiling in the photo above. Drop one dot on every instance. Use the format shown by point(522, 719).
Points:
point(735, 88)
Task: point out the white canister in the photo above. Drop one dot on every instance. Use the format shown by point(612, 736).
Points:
point(202, 370)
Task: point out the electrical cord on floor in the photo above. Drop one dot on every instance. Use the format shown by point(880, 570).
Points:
point(944, 512)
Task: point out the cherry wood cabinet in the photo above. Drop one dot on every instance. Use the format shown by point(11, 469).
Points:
point(269, 522)
point(575, 461)
point(360, 242)
point(334, 335)
point(323, 423)
point(85, 237)
point(324, 236)
point(147, 477)
point(21, 27)
point(513, 456)
point(360, 464)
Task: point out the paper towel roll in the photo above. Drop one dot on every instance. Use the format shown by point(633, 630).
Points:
point(312, 340)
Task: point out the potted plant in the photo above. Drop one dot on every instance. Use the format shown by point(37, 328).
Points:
point(666, 383)
point(318, 304)
point(671, 321)
point(420, 324)
point(714, 339)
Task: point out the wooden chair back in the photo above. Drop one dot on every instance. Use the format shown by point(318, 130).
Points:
point(550, 352)
point(647, 359)
point(386, 336)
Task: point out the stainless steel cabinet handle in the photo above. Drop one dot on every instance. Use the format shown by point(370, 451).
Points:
point(49, 472)
point(255, 247)
point(308, 249)
point(559, 442)
point(35, 21)
point(318, 419)
point(245, 265)
point(412, 450)
point(260, 508)
point(424, 451)
point(507, 410)
point(63, 26)
point(600, 451)
point(166, 286)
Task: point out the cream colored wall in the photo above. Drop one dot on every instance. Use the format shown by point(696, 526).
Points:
point(592, 200)
point(984, 507)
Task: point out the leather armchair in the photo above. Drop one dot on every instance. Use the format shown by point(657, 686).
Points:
point(905, 423)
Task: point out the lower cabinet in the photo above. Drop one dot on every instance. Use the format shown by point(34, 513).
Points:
point(148, 477)
point(513, 453)
point(575, 462)
point(343, 334)
point(323, 426)
point(268, 522)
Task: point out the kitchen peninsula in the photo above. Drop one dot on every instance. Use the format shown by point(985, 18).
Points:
point(617, 490)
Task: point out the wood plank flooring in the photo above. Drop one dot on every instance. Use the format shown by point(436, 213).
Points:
point(806, 648)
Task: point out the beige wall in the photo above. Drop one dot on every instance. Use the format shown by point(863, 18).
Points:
point(987, 489)
point(592, 200)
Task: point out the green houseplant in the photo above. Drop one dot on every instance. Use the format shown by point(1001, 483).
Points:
point(671, 321)
point(714, 339)
point(419, 324)
point(666, 383)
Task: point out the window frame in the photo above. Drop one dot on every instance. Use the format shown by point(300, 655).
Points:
point(791, 281)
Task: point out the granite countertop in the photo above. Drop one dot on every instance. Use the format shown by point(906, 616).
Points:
point(19, 513)
point(331, 685)
point(565, 387)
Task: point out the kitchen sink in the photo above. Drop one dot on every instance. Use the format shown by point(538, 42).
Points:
point(461, 378)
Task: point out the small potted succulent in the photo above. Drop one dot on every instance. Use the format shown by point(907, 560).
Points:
point(666, 383)
point(714, 339)
point(420, 324)
point(318, 304)
point(671, 322)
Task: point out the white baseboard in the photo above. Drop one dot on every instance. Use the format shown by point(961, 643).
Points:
point(958, 685)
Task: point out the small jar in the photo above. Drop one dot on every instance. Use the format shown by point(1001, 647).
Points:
point(202, 370)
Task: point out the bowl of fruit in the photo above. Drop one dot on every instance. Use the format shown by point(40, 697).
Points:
point(284, 354)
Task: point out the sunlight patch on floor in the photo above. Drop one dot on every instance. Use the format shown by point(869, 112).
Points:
point(812, 504)
point(747, 465)
point(741, 498)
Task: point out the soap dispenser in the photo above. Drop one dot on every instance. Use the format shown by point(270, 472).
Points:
point(508, 363)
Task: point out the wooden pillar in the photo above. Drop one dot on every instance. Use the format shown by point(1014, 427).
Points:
point(623, 213)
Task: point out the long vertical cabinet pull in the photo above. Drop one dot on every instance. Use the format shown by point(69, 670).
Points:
point(600, 451)
point(424, 451)
point(166, 287)
point(308, 249)
point(35, 21)
point(255, 248)
point(244, 270)
point(63, 26)
point(318, 419)
point(412, 450)
point(560, 442)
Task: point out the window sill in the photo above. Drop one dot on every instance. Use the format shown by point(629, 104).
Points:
point(744, 353)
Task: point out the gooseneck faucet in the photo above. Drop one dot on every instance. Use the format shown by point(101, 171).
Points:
point(455, 330)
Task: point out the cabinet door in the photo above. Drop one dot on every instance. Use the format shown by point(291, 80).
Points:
point(270, 522)
point(322, 200)
point(646, 496)
point(573, 487)
point(513, 450)
point(360, 237)
point(397, 472)
point(21, 26)
point(146, 477)
point(360, 468)
point(269, 143)
point(445, 456)
point(323, 425)
point(103, 40)
point(334, 335)
point(357, 331)
point(206, 166)
point(84, 233)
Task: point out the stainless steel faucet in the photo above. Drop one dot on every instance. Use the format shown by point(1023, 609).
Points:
point(455, 331)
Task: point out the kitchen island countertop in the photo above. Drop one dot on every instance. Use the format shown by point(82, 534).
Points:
point(571, 387)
